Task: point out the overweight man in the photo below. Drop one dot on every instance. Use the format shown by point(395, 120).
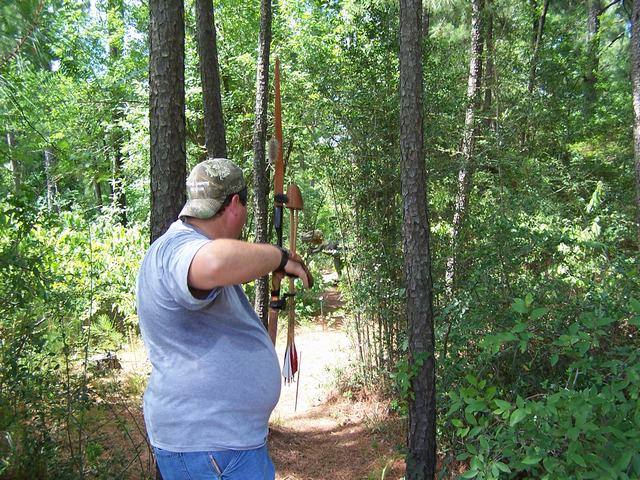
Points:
point(215, 376)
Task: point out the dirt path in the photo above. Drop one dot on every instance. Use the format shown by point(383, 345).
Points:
point(328, 437)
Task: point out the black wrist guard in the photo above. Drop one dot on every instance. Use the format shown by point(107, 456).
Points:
point(283, 260)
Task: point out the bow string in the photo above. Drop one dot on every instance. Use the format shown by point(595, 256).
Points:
point(293, 201)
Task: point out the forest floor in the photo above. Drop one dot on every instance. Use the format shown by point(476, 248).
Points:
point(330, 435)
point(327, 435)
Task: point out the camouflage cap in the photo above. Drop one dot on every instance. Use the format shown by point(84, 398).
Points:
point(209, 183)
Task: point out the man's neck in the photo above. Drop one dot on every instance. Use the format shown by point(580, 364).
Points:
point(210, 228)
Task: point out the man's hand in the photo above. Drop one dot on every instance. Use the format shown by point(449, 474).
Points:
point(295, 267)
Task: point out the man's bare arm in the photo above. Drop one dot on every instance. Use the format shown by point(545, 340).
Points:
point(229, 262)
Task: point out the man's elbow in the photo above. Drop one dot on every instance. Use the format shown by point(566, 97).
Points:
point(207, 272)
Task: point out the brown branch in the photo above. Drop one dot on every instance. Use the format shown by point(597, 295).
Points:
point(604, 9)
point(620, 35)
point(25, 37)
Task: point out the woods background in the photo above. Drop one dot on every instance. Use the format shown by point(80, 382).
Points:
point(533, 194)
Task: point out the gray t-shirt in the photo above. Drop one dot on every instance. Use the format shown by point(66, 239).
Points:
point(215, 376)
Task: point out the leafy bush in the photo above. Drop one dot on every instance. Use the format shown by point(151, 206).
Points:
point(67, 292)
point(583, 421)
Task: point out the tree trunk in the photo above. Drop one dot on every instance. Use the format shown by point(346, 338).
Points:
point(52, 189)
point(214, 133)
point(594, 8)
point(97, 192)
point(538, 27)
point(426, 20)
point(260, 167)
point(15, 165)
point(489, 71)
point(118, 195)
point(167, 113)
point(635, 81)
point(468, 141)
point(116, 140)
point(538, 30)
point(421, 440)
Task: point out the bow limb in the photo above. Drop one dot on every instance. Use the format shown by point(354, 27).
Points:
point(279, 199)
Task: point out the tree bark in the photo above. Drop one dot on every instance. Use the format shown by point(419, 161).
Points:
point(421, 440)
point(635, 81)
point(538, 26)
point(536, 44)
point(97, 192)
point(594, 8)
point(167, 113)
point(489, 71)
point(426, 19)
point(214, 132)
point(468, 141)
point(260, 167)
point(116, 140)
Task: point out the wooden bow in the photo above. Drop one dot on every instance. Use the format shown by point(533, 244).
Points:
point(293, 201)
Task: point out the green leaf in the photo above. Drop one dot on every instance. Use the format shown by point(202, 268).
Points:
point(502, 404)
point(519, 306)
point(490, 392)
point(538, 313)
point(623, 462)
point(519, 327)
point(577, 459)
point(476, 406)
point(471, 379)
point(634, 305)
point(470, 474)
point(528, 299)
point(484, 444)
point(531, 460)
point(554, 359)
point(517, 416)
point(596, 197)
point(503, 467)
point(470, 418)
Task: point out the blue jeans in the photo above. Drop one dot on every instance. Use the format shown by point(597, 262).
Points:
point(224, 465)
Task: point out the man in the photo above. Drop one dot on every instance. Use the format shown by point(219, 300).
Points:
point(215, 377)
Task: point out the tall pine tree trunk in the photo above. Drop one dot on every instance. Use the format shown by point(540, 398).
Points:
point(635, 81)
point(489, 71)
point(167, 113)
point(116, 140)
point(260, 167)
point(538, 28)
point(468, 141)
point(214, 132)
point(426, 19)
point(536, 45)
point(97, 192)
point(421, 441)
point(594, 8)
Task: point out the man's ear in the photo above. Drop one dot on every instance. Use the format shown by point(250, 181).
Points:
point(236, 202)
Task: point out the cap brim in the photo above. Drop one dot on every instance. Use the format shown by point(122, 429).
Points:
point(202, 208)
